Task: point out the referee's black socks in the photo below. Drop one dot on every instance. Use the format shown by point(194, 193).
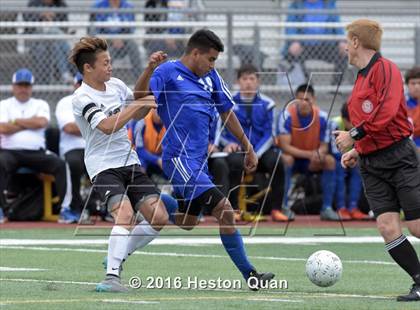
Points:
point(404, 255)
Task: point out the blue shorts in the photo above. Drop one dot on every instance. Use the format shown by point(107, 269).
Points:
point(189, 177)
point(301, 165)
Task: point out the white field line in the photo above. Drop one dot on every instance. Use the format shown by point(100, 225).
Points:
point(203, 241)
point(278, 293)
point(121, 301)
point(274, 300)
point(274, 258)
point(20, 269)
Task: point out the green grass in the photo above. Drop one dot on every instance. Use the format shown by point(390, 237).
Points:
point(363, 285)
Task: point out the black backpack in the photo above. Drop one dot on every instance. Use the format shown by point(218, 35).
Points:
point(28, 205)
point(306, 195)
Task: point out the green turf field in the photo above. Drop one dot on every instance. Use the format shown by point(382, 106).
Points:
point(68, 274)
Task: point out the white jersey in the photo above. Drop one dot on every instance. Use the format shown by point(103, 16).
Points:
point(64, 115)
point(28, 139)
point(90, 107)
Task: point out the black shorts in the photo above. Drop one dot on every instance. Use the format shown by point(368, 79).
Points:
point(391, 179)
point(209, 200)
point(124, 183)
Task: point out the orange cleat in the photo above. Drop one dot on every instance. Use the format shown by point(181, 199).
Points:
point(358, 215)
point(344, 214)
point(278, 216)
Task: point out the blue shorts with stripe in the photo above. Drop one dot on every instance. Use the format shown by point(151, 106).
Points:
point(189, 177)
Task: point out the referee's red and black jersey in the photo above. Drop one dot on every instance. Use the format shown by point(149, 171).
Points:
point(377, 104)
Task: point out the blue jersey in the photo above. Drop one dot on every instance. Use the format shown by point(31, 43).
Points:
point(186, 105)
point(256, 120)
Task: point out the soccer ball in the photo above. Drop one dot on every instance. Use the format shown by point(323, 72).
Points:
point(324, 268)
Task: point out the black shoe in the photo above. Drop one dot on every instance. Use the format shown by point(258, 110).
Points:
point(413, 295)
point(259, 280)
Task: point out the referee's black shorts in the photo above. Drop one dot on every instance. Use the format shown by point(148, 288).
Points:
point(391, 179)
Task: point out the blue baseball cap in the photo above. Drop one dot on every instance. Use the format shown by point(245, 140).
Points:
point(78, 78)
point(23, 76)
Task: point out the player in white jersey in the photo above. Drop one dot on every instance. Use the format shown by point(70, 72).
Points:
point(102, 106)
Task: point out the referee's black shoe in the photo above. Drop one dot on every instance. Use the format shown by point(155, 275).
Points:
point(413, 295)
point(259, 280)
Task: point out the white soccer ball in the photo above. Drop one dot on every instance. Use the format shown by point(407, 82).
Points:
point(324, 268)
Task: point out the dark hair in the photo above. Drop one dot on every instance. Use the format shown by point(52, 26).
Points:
point(345, 111)
point(204, 40)
point(247, 69)
point(413, 73)
point(305, 88)
point(85, 51)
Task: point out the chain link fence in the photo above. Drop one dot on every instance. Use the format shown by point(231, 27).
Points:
point(41, 39)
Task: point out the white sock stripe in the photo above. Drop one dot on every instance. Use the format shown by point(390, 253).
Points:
point(183, 168)
point(178, 169)
point(395, 243)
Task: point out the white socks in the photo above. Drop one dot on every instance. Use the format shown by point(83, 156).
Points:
point(141, 235)
point(117, 249)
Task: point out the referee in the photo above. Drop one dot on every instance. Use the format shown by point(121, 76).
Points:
point(389, 164)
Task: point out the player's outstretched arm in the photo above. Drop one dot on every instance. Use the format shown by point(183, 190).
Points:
point(234, 126)
point(142, 85)
point(115, 122)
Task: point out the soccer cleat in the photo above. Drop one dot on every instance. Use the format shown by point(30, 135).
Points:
point(344, 214)
point(278, 216)
point(413, 295)
point(328, 214)
point(358, 215)
point(3, 219)
point(67, 216)
point(289, 213)
point(257, 280)
point(111, 284)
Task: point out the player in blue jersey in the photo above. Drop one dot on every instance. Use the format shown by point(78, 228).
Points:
point(187, 92)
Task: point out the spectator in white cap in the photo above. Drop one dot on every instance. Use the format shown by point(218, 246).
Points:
point(23, 120)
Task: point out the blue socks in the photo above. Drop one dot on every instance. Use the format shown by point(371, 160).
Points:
point(234, 245)
point(287, 181)
point(340, 186)
point(171, 206)
point(355, 188)
point(328, 177)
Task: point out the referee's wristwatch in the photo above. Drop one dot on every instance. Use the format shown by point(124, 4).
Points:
point(357, 133)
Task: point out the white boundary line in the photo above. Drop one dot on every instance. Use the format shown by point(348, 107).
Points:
point(122, 301)
point(20, 269)
point(207, 240)
point(274, 258)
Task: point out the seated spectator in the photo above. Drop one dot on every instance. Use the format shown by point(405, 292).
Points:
point(255, 113)
point(118, 48)
point(225, 167)
point(23, 120)
point(297, 52)
point(304, 141)
point(349, 210)
point(412, 79)
point(147, 135)
point(48, 55)
point(72, 147)
point(174, 48)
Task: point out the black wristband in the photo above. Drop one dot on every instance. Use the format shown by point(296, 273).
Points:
point(357, 133)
